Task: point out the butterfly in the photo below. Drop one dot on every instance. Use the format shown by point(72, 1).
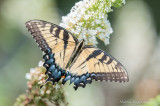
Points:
point(67, 58)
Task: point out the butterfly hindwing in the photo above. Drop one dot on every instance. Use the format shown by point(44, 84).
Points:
point(95, 61)
point(51, 36)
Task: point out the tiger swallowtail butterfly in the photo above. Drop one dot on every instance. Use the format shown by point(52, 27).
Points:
point(67, 58)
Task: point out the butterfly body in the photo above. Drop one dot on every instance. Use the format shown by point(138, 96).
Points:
point(77, 51)
point(67, 58)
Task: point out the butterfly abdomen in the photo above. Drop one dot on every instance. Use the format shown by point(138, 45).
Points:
point(78, 50)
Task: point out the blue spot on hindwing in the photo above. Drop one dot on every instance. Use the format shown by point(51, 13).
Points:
point(83, 79)
point(58, 75)
point(76, 81)
point(50, 61)
point(68, 77)
point(51, 56)
point(72, 80)
point(52, 68)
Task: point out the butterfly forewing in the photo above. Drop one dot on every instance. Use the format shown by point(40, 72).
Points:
point(94, 60)
point(60, 41)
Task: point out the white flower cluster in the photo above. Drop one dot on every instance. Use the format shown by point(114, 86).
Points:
point(34, 72)
point(88, 20)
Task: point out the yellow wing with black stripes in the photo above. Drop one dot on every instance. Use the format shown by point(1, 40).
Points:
point(67, 58)
point(60, 41)
point(95, 61)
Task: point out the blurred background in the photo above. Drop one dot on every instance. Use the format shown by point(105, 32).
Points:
point(135, 42)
